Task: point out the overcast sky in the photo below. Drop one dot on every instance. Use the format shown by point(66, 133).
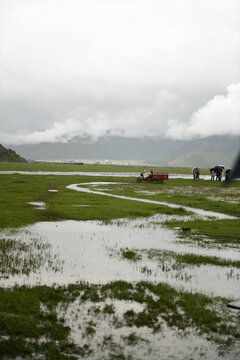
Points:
point(130, 68)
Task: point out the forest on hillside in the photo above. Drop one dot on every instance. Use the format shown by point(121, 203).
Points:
point(9, 155)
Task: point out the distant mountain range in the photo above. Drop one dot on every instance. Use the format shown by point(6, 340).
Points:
point(205, 152)
point(9, 155)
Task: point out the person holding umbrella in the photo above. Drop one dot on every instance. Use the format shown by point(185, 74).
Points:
point(218, 171)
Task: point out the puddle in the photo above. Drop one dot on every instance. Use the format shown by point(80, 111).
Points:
point(76, 205)
point(78, 187)
point(38, 205)
point(224, 199)
point(146, 192)
point(87, 251)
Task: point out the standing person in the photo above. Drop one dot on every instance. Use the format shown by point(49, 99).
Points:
point(218, 170)
point(212, 174)
point(196, 173)
point(219, 174)
point(222, 173)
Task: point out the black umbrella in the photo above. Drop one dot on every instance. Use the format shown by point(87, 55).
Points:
point(218, 169)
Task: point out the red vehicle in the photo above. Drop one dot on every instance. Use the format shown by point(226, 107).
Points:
point(153, 176)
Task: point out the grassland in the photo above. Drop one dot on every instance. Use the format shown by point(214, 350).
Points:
point(18, 190)
point(47, 166)
point(30, 325)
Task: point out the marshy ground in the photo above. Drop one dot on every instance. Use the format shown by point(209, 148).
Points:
point(87, 276)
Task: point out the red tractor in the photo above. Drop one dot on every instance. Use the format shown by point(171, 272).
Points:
point(153, 176)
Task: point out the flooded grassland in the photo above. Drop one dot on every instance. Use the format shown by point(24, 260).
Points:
point(88, 275)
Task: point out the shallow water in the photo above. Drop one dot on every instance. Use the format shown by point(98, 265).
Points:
point(89, 251)
point(112, 174)
point(38, 204)
point(169, 343)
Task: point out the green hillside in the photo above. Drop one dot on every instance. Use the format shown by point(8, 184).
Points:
point(202, 159)
point(9, 155)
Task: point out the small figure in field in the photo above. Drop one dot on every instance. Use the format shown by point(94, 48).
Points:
point(228, 174)
point(141, 177)
point(196, 173)
point(212, 174)
point(219, 172)
point(149, 175)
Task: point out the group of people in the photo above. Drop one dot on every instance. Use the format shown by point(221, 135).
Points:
point(217, 173)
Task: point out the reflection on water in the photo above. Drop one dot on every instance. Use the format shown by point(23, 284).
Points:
point(87, 251)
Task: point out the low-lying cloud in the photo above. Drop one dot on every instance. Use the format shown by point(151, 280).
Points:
point(220, 116)
point(125, 120)
point(60, 132)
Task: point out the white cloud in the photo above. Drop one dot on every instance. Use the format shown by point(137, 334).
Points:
point(61, 132)
point(147, 120)
point(220, 116)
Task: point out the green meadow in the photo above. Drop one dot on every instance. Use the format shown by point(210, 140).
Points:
point(32, 322)
point(48, 166)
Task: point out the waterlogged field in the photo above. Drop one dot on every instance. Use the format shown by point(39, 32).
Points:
point(48, 166)
point(94, 274)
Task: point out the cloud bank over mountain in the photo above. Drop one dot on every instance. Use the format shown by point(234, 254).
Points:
point(220, 116)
